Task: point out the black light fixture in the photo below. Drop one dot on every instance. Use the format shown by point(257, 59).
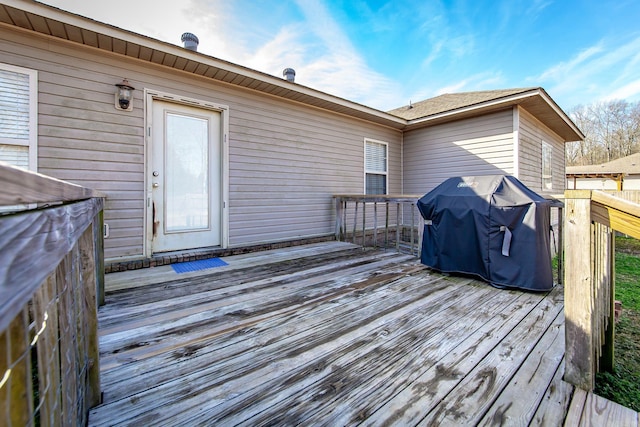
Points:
point(124, 96)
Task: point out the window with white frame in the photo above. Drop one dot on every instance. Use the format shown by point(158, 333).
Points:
point(18, 116)
point(375, 167)
point(547, 166)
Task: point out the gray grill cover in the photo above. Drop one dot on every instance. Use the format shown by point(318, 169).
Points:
point(490, 226)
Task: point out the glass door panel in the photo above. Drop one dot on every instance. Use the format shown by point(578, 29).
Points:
point(186, 173)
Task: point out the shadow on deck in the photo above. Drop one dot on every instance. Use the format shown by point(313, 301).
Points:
point(328, 334)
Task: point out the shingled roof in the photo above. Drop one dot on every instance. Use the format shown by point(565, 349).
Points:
point(453, 101)
point(629, 165)
point(455, 106)
point(56, 23)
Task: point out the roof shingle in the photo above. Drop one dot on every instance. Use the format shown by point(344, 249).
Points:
point(453, 101)
point(626, 165)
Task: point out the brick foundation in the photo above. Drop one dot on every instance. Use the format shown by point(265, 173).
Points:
point(194, 255)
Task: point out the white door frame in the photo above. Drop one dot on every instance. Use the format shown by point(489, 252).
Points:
point(150, 96)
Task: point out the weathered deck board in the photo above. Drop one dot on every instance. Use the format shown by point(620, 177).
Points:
point(536, 374)
point(555, 402)
point(239, 312)
point(259, 335)
point(466, 402)
point(128, 280)
point(333, 336)
point(377, 357)
point(455, 365)
point(603, 412)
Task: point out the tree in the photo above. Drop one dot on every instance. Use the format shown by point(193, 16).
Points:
point(612, 130)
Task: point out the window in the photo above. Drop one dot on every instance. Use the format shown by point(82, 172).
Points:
point(18, 118)
point(375, 167)
point(547, 166)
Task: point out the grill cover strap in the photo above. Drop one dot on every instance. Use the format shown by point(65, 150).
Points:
point(506, 242)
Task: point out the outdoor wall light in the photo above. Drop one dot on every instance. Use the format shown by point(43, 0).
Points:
point(124, 95)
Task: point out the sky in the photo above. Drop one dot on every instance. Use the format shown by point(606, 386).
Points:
point(385, 54)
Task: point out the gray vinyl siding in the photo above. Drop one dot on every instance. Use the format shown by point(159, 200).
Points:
point(283, 177)
point(531, 134)
point(286, 160)
point(475, 146)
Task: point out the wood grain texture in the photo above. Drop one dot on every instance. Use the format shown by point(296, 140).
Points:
point(536, 373)
point(88, 313)
point(48, 350)
point(342, 337)
point(602, 412)
point(20, 186)
point(19, 405)
point(44, 235)
point(555, 402)
point(579, 303)
point(576, 408)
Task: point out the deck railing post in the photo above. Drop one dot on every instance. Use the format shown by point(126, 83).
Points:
point(398, 230)
point(98, 233)
point(339, 218)
point(50, 373)
point(413, 226)
point(375, 224)
point(368, 222)
point(386, 226)
point(579, 298)
point(364, 224)
point(607, 359)
point(355, 222)
point(344, 220)
point(560, 245)
point(88, 313)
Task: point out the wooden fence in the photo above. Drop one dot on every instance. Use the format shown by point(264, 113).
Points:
point(591, 217)
point(50, 268)
point(380, 221)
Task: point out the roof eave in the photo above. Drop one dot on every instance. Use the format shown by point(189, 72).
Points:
point(560, 112)
point(570, 133)
point(242, 76)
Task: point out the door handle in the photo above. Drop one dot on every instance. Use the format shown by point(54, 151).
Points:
point(155, 185)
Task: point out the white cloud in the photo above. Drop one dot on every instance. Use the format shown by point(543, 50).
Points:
point(332, 64)
point(480, 81)
point(312, 43)
point(455, 87)
point(536, 7)
point(629, 91)
point(561, 70)
point(604, 71)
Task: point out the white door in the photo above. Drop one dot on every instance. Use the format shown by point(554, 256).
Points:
point(185, 177)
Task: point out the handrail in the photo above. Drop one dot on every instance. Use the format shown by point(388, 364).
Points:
point(629, 195)
point(20, 186)
point(402, 222)
point(590, 221)
point(51, 265)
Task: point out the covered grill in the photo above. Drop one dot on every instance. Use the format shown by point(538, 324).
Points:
point(490, 226)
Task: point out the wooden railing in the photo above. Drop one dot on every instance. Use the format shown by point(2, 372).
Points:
point(590, 221)
point(50, 268)
point(629, 195)
point(380, 221)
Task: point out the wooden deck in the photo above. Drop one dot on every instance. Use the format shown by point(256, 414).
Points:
point(329, 334)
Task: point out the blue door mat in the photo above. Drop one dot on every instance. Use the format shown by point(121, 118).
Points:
point(202, 264)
